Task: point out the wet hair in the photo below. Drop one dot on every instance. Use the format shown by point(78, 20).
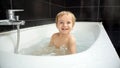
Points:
point(60, 14)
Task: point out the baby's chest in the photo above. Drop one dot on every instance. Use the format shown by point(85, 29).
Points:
point(59, 43)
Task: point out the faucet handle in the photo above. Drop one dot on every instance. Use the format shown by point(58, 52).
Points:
point(11, 13)
point(15, 10)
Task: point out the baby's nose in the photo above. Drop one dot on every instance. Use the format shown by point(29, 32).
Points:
point(64, 24)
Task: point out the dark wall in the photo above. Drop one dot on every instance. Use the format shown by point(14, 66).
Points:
point(85, 10)
point(4, 5)
point(33, 9)
point(38, 9)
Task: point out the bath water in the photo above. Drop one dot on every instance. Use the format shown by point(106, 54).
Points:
point(83, 42)
point(44, 49)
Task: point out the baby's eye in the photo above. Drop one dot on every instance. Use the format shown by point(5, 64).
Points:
point(68, 22)
point(61, 22)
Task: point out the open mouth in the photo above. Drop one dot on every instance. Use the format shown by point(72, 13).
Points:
point(64, 28)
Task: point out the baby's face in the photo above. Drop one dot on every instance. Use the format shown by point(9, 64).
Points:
point(65, 24)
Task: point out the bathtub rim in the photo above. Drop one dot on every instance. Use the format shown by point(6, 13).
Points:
point(27, 28)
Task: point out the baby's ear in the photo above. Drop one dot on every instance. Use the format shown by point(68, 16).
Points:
point(56, 25)
point(72, 27)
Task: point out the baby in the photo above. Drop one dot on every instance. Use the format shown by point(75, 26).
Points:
point(65, 21)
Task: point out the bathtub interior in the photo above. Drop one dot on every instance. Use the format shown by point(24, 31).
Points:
point(34, 38)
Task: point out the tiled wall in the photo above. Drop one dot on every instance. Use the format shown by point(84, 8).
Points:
point(4, 5)
point(85, 10)
point(38, 9)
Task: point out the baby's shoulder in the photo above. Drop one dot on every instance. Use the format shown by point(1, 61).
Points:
point(71, 38)
point(54, 35)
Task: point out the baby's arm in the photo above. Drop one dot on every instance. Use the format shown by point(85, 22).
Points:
point(52, 40)
point(72, 45)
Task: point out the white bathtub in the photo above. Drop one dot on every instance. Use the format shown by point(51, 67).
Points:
point(94, 48)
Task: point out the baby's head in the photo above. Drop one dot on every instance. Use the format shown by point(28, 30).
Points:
point(68, 13)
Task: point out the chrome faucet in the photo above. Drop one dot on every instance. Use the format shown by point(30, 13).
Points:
point(12, 19)
point(11, 14)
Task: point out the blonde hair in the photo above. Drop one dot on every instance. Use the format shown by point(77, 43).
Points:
point(60, 14)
